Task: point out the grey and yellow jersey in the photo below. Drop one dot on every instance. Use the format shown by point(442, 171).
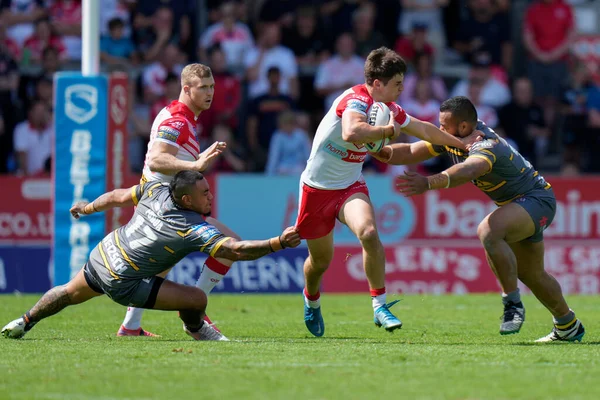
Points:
point(159, 234)
point(510, 175)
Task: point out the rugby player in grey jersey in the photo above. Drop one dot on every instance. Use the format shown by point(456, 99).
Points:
point(167, 225)
point(512, 235)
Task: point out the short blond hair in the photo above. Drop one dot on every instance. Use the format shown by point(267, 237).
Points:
point(192, 71)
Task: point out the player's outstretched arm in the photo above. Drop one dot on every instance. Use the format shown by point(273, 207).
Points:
point(430, 133)
point(252, 249)
point(355, 129)
point(115, 198)
point(472, 168)
point(404, 153)
point(411, 184)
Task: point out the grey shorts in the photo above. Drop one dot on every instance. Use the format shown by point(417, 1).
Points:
point(128, 292)
point(540, 204)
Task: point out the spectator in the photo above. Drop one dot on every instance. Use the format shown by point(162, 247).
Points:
point(575, 112)
point(42, 38)
point(341, 71)
point(9, 44)
point(485, 113)
point(172, 90)
point(591, 142)
point(262, 120)
point(227, 97)
point(116, 9)
point(549, 31)
point(290, 147)
point(427, 12)
point(154, 75)
point(494, 93)
point(152, 38)
point(423, 106)
point(415, 44)
point(486, 31)
point(139, 125)
point(167, 20)
point(27, 86)
point(363, 32)
point(65, 17)
point(19, 15)
point(43, 92)
point(232, 159)
point(33, 140)
point(308, 41)
point(116, 48)
point(268, 53)
point(231, 35)
point(523, 121)
point(423, 71)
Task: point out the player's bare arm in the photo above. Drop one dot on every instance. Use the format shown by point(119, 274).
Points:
point(412, 184)
point(252, 249)
point(355, 129)
point(163, 158)
point(404, 153)
point(112, 199)
point(430, 133)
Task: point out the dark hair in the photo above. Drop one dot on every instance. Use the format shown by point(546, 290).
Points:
point(115, 23)
point(383, 64)
point(273, 70)
point(183, 183)
point(461, 108)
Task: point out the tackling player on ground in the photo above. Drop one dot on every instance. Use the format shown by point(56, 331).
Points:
point(168, 224)
point(174, 147)
point(332, 187)
point(512, 235)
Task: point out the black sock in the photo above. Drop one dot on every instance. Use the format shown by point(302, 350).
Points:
point(28, 322)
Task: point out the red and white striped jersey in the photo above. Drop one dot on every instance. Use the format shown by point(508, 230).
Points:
point(175, 125)
point(334, 163)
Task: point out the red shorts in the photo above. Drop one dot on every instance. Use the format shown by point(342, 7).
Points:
point(319, 208)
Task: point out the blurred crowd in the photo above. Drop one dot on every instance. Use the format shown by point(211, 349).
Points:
point(279, 64)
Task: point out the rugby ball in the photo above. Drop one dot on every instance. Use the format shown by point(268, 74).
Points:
point(378, 115)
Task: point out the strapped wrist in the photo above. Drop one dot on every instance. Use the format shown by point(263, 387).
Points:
point(447, 176)
point(275, 244)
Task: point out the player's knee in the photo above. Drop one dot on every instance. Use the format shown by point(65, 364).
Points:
point(486, 234)
point(368, 235)
point(320, 262)
point(199, 300)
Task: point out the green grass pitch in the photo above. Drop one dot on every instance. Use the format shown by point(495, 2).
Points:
point(449, 348)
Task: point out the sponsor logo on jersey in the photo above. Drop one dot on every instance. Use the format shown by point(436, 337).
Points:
point(357, 105)
point(206, 232)
point(168, 133)
point(345, 154)
point(484, 144)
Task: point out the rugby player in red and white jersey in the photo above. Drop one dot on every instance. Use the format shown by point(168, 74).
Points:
point(332, 187)
point(174, 147)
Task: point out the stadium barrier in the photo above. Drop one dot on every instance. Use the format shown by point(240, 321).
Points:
point(430, 240)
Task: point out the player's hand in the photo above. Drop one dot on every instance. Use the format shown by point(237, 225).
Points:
point(383, 155)
point(469, 141)
point(290, 237)
point(78, 209)
point(208, 156)
point(395, 126)
point(411, 184)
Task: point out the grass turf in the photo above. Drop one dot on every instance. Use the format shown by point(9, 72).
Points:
point(449, 348)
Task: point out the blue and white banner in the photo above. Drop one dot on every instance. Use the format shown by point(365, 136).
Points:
point(79, 169)
point(281, 272)
point(24, 269)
